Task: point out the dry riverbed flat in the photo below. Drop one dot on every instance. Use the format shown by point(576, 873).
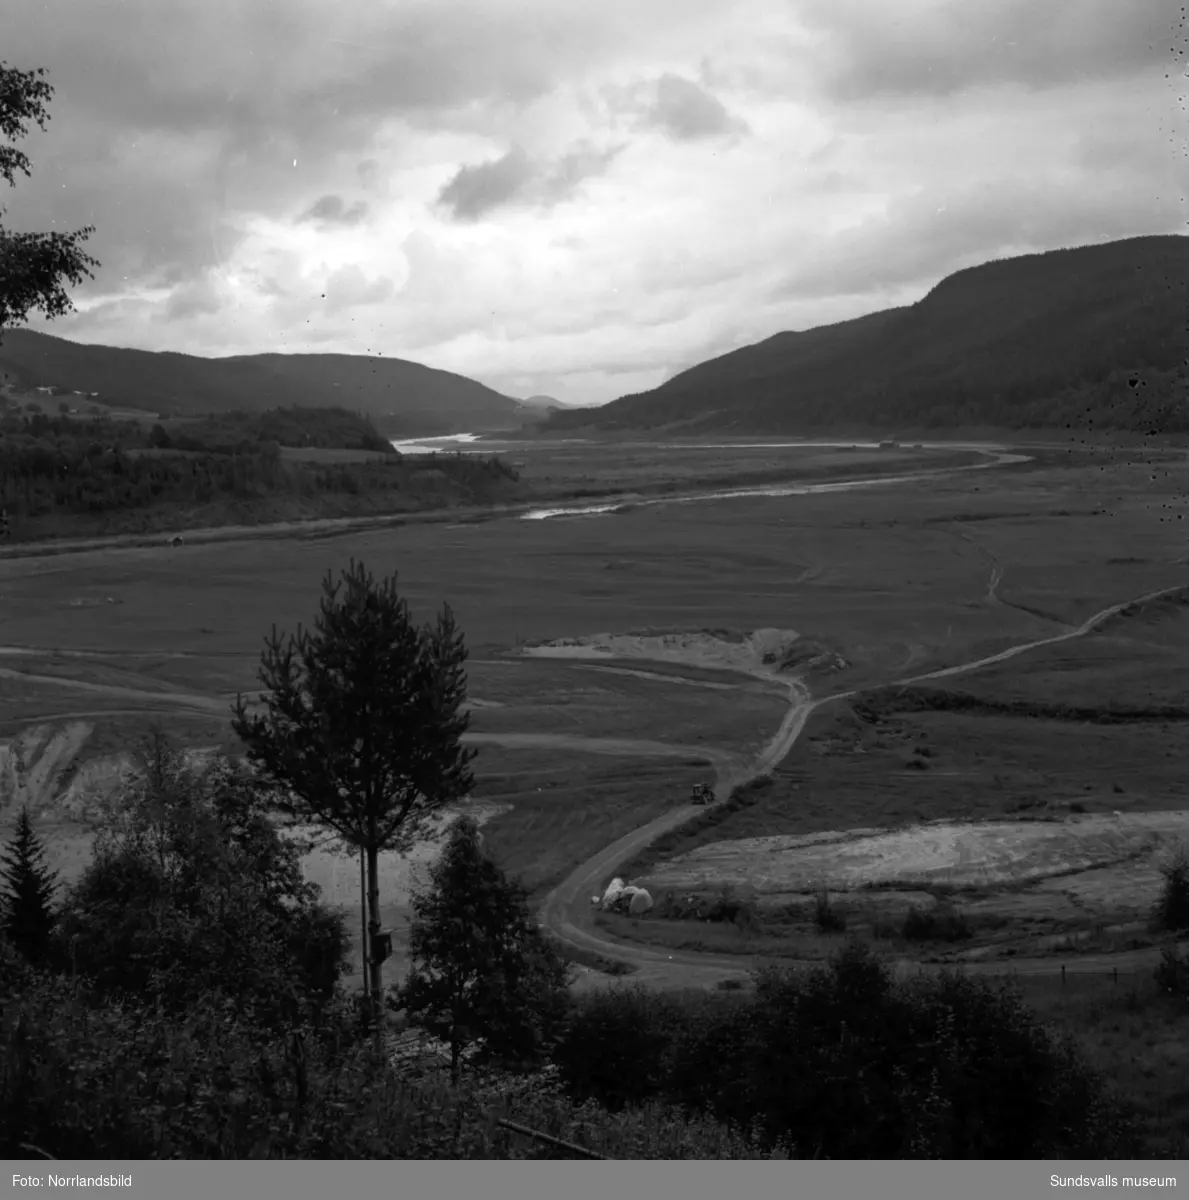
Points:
point(879, 585)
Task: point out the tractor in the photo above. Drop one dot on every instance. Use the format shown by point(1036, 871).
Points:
point(703, 794)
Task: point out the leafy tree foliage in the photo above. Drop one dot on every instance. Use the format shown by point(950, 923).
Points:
point(27, 917)
point(68, 466)
point(32, 265)
point(86, 1078)
point(363, 720)
point(483, 972)
point(192, 890)
point(325, 428)
point(1172, 905)
point(844, 1063)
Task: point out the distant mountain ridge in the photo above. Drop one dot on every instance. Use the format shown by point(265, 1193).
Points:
point(1090, 337)
point(401, 398)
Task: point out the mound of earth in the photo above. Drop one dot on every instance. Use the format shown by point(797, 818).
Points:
point(984, 855)
point(765, 651)
point(41, 768)
point(807, 655)
point(34, 764)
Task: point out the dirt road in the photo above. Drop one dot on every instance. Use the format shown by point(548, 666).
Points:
point(566, 911)
point(163, 699)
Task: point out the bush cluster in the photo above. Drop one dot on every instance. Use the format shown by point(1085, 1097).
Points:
point(841, 1062)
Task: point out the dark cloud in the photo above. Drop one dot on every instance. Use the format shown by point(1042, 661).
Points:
point(158, 208)
point(476, 190)
point(687, 112)
point(272, 71)
point(678, 107)
point(169, 116)
point(926, 48)
point(562, 178)
point(333, 210)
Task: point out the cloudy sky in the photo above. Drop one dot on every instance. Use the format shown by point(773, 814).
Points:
point(577, 198)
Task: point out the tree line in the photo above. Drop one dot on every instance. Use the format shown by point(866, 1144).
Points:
point(65, 466)
point(227, 432)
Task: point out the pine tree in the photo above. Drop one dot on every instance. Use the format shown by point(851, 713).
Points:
point(27, 917)
point(483, 971)
point(363, 724)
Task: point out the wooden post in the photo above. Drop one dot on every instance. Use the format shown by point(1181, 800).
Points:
point(367, 980)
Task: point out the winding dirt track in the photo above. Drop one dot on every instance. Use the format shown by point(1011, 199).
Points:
point(165, 699)
point(566, 911)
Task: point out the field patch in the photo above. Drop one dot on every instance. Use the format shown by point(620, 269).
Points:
point(560, 697)
point(564, 807)
point(764, 649)
point(953, 891)
point(952, 855)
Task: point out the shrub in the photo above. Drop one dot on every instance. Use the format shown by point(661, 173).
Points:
point(618, 1045)
point(482, 970)
point(85, 1078)
point(842, 1062)
point(192, 891)
point(1172, 972)
point(941, 924)
point(826, 917)
point(27, 917)
point(1171, 911)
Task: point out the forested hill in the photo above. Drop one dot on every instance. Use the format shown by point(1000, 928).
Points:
point(403, 399)
point(1089, 338)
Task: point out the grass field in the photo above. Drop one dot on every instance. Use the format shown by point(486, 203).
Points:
point(591, 469)
point(559, 812)
point(1135, 1035)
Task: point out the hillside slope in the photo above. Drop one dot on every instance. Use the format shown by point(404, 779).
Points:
point(1092, 337)
point(402, 398)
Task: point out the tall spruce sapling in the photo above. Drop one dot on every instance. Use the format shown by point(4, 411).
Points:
point(483, 973)
point(27, 917)
point(362, 724)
